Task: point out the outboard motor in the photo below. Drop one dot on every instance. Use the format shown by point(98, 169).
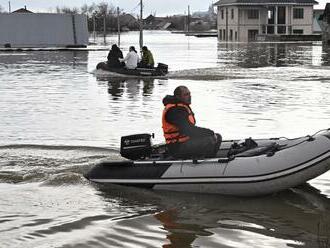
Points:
point(163, 68)
point(101, 65)
point(136, 146)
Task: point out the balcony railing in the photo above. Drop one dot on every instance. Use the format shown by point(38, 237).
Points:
point(276, 29)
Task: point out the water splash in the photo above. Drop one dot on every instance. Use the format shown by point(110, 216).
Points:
point(50, 165)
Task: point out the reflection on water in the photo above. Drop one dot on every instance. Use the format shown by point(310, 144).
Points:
point(296, 217)
point(132, 87)
point(251, 55)
point(116, 88)
point(326, 55)
point(33, 58)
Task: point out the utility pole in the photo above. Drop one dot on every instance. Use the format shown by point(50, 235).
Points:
point(141, 24)
point(9, 7)
point(94, 27)
point(184, 22)
point(104, 28)
point(188, 19)
point(118, 26)
point(226, 24)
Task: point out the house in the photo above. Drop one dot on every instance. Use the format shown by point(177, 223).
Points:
point(22, 28)
point(249, 20)
point(128, 22)
point(22, 10)
point(156, 23)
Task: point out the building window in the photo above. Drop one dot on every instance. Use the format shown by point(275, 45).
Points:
point(224, 34)
point(232, 13)
point(236, 37)
point(231, 34)
point(281, 29)
point(253, 14)
point(252, 34)
point(222, 14)
point(298, 31)
point(220, 34)
point(298, 13)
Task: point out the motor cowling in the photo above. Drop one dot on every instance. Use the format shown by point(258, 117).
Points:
point(137, 146)
point(163, 68)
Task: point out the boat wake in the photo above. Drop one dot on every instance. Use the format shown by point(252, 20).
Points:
point(228, 73)
point(50, 165)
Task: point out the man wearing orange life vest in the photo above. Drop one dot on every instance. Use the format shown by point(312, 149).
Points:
point(183, 138)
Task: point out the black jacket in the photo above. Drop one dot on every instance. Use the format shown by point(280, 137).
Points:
point(178, 116)
point(113, 58)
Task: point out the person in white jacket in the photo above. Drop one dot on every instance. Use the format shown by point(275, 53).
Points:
point(132, 58)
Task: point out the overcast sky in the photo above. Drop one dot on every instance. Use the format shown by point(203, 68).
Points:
point(160, 7)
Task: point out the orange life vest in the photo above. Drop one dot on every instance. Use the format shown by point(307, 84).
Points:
point(171, 132)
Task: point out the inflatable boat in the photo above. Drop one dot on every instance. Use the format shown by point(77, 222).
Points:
point(249, 167)
point(159, 71)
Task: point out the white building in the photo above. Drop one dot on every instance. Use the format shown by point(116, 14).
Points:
point(246, 20)
point(43, 30)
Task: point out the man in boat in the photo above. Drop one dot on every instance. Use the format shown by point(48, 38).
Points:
point(132, 58)
point(183, 138)
point(147, 60)
point(113, 57)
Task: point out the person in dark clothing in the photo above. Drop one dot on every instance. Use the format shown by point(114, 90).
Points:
point(113, 57)
point(183, 138)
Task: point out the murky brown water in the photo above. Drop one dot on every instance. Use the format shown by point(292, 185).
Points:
point(59, 118)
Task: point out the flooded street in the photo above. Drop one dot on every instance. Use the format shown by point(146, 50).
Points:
point(59, 117)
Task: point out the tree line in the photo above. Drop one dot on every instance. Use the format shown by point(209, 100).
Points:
point(105, 15)
point(100, 16)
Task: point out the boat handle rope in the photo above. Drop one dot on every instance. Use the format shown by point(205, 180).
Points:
point(323, 130)
point(309, 138)
point(320, 131)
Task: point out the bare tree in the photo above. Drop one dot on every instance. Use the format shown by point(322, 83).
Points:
point(67, 10)
point(89, 10)
point(96, 13)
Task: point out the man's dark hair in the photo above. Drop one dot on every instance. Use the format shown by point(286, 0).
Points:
point(178, 90)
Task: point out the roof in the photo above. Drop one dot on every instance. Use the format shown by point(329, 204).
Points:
point(22, 10)
point(265, 2)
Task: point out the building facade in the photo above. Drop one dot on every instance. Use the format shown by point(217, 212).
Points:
point(250, 20)
point(43, 30)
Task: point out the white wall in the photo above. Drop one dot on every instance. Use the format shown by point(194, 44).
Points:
point(42, 30)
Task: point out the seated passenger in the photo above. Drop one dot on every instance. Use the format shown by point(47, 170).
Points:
point(183, 138)
point(113, 57)
point(147, 60)
point(132, 58)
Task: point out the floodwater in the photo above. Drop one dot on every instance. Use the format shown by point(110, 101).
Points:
point(58, 118)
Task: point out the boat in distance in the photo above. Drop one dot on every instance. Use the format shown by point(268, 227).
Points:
point(246, 168)
point(160, 71)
